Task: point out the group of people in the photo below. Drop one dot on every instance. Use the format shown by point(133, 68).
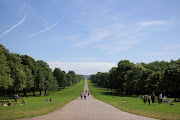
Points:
point(81, 95)
point(47, 100)
point(5, 104)
point(152, 97)
point(149, 98)
point(16, 97)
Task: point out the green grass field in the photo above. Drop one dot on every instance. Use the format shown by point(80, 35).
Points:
point(135, 105)
point(37, 105)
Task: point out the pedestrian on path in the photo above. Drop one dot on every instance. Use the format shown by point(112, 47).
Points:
point(85, 96)
point(81, 95)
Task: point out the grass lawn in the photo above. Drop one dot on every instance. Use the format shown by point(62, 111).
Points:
point(135, 105)
point(37, 105)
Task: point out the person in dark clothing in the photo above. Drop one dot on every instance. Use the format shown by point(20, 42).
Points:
point(84, 96)
point(153, 98)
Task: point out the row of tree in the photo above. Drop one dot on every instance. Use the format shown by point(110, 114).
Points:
point(129, 78)
point(23, 73)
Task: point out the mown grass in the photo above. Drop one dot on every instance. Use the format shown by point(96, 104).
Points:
point(135, 105)
point(36, 106)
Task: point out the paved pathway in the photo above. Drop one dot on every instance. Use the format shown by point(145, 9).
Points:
point(89, 109)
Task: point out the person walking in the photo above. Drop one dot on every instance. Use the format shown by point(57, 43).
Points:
point(16, 97)
point(164, 98)
point(169, 98)
point(144, 99)
point(85, 96)
point(81, 95)
point(149, 99)
point(160, 98)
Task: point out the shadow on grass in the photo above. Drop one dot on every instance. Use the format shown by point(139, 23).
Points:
point(111, 92)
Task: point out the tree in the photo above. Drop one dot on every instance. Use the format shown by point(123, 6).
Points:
point(29, 79)
point(5, 79)
point(113, 78)
point(41, 75)
point(154, 82)
point(123, 67)
point(30, 70)
point(171, 80)
point(156, 65)
point(60, 77)
point(136, 79)
point(17, 72)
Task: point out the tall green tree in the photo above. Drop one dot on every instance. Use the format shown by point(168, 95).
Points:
point(113, 78)
point(29, 80)
point(123, 67)
point(60, 77)
point(154, 82)
point(5, 79)
point(30, 70)
point(171, 80)
point(136, 79)
point(17, 72)
point(41, 75)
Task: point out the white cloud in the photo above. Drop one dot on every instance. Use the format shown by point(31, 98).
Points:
point(150, 23)
point(163, 53)
point(84, 59)
point(168, 50)
point(172, 46)
point(41, 31)
point(113, 39)
point(84, 68)
point(118, 46)
point(83, 13)
point(117, 38)
point(13, 27)
point(95, 38)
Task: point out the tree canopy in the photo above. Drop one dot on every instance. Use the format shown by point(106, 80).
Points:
point(21, 73)
point(142, 78)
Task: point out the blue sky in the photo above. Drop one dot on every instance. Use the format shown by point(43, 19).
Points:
point(88, 36)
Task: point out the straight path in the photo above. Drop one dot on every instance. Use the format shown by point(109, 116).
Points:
point(89, 109)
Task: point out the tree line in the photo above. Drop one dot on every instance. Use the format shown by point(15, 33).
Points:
point(141, 78)
point(21, 73)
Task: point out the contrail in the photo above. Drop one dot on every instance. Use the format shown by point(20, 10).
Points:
point(41, 31)
point(13, 26)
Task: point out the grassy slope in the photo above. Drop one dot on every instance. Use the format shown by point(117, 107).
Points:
point(36, 106)
point(136, 106)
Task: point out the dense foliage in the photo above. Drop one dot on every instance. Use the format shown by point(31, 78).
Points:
point(129, 78)
point(21, 73)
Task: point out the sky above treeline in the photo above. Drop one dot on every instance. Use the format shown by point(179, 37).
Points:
point(88, 36)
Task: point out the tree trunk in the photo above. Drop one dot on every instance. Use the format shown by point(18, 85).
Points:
point(40, 91)
point(122, 91)
point(13, 95)
point(33, 91)
point(45, 92)
point(24, 92)
point(175, 96)
point(118, 91)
